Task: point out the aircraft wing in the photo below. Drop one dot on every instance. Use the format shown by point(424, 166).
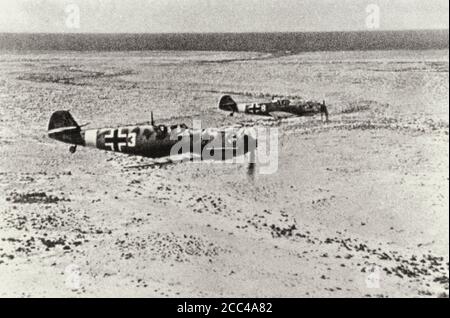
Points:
point(166, 161)
point(281, 114)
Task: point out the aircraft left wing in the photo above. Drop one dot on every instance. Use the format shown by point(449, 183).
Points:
point(281, 114)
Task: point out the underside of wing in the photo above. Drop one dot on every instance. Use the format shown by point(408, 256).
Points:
point(281, 114)
point(166, 161)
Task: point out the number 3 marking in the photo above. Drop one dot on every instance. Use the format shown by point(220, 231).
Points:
point(131, 140)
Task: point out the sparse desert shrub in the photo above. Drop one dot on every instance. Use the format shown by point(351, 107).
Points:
point(355, 108)
point(34, 197)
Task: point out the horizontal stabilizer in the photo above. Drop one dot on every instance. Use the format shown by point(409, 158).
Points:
point(63, 129)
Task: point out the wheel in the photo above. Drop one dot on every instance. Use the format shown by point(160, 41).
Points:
point(72, 149)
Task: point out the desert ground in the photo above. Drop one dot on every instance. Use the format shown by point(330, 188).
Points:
point(357, 208)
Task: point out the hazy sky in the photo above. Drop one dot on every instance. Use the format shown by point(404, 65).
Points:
point(155, 16)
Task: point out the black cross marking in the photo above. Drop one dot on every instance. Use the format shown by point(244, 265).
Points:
point(256, 108)
point(115, 140)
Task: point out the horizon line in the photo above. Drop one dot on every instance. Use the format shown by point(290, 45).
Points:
point(227, 32)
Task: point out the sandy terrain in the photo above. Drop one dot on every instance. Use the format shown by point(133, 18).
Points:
point(357, 208)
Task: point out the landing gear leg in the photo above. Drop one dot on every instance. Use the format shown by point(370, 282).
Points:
point(72, 149)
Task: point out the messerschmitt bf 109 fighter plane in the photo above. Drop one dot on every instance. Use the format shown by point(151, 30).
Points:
point(277, 108)
point(154, 141)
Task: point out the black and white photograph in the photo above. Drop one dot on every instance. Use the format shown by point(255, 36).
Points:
point(240, 149)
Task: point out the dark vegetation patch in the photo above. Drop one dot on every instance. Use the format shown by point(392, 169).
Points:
point(427, 267)
point(34, 197)
point(180, 248)
point(70, 76)
point(30, 245)
point(261, 95)
point(392, 124)
point(356, 107)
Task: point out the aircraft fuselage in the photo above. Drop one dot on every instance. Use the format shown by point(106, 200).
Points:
point(153, 141)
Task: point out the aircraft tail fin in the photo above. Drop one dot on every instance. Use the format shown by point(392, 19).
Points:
point(228, 104)
point(62, 120)
point(63, 127)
